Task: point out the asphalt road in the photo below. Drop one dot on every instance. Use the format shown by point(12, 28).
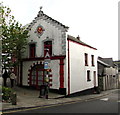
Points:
point(107, 104)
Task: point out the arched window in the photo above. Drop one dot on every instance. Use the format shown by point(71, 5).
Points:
point(37, 75)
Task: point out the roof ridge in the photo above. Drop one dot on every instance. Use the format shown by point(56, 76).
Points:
point(79, 41)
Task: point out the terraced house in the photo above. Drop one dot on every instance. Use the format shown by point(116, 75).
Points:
point(72, 64)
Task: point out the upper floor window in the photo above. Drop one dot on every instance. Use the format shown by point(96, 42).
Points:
point(92, 60)
point(32, 48)
point(86, 59)
point(48, 48)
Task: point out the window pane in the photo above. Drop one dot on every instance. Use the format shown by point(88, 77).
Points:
point(88, 75)
point(92, 58)
point(86, 59)
point(48, 47)
point(32, 50)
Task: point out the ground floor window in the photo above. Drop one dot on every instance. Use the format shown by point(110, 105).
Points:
point(88, 75)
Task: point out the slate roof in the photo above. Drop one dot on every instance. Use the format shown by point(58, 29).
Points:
point(103, 63)
point(79, 41)
point(107, 60)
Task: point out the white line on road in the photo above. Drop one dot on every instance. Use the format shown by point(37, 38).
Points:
point(118, 101)
point(104, 99)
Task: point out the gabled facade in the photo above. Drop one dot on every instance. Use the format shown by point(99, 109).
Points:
point(72, 64)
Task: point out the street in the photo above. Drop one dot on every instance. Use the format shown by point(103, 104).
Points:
point(106, 104)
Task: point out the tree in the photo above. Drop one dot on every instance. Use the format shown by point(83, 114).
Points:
point(14, 38)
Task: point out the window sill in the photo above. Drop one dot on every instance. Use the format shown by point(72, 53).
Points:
point(88, 80)
point(86, 65)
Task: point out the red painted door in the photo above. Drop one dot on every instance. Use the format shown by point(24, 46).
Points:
point(37, 77)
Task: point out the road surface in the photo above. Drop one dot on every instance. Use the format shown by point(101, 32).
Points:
point(106, 104)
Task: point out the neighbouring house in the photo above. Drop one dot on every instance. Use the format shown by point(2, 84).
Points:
point(107, 74)
point(118, 64)
point(72, 64)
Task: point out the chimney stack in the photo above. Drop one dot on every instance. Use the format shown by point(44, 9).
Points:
point(78, 37)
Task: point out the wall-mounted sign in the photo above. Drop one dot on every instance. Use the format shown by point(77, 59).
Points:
point(46, 65)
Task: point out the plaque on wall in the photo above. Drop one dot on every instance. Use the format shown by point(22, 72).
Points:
point(39, 30)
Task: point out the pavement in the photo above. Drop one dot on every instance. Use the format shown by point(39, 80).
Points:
point(28, 98)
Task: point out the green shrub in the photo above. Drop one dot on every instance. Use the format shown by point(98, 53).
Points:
point(6, 93)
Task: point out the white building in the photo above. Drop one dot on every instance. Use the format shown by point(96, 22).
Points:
point(72, 63)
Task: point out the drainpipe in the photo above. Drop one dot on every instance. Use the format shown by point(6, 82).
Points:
point(68, 69)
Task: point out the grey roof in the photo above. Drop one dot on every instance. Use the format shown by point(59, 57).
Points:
point(107, 60)
point(79, 41)
point(103, 63)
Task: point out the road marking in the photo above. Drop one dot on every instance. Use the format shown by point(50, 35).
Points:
point(118, 101)
point(104, 99)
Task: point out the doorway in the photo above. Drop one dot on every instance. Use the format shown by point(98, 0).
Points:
point(37, 76)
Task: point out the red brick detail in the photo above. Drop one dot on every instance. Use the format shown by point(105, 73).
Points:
point(50, 75)
point(50, 84)
point(50, 80)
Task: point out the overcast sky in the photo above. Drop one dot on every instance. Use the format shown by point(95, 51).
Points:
point(95, 21)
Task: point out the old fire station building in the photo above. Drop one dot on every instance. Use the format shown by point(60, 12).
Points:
point(72, 64)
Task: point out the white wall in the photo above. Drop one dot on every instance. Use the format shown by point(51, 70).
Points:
point(78, 70)
point(111, 71)
point(26, 67)
point(55, 74)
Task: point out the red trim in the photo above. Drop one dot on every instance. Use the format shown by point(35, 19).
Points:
point(58, 57)
point(81, 44)
point(33, 59)
point(68, 68)
point(61, 73)
point(50, 75)
point(50, 80)
point(42, 58)
point(50, 84)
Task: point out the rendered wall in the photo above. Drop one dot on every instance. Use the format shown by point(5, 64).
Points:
point(56, 34)
point(78, 70)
